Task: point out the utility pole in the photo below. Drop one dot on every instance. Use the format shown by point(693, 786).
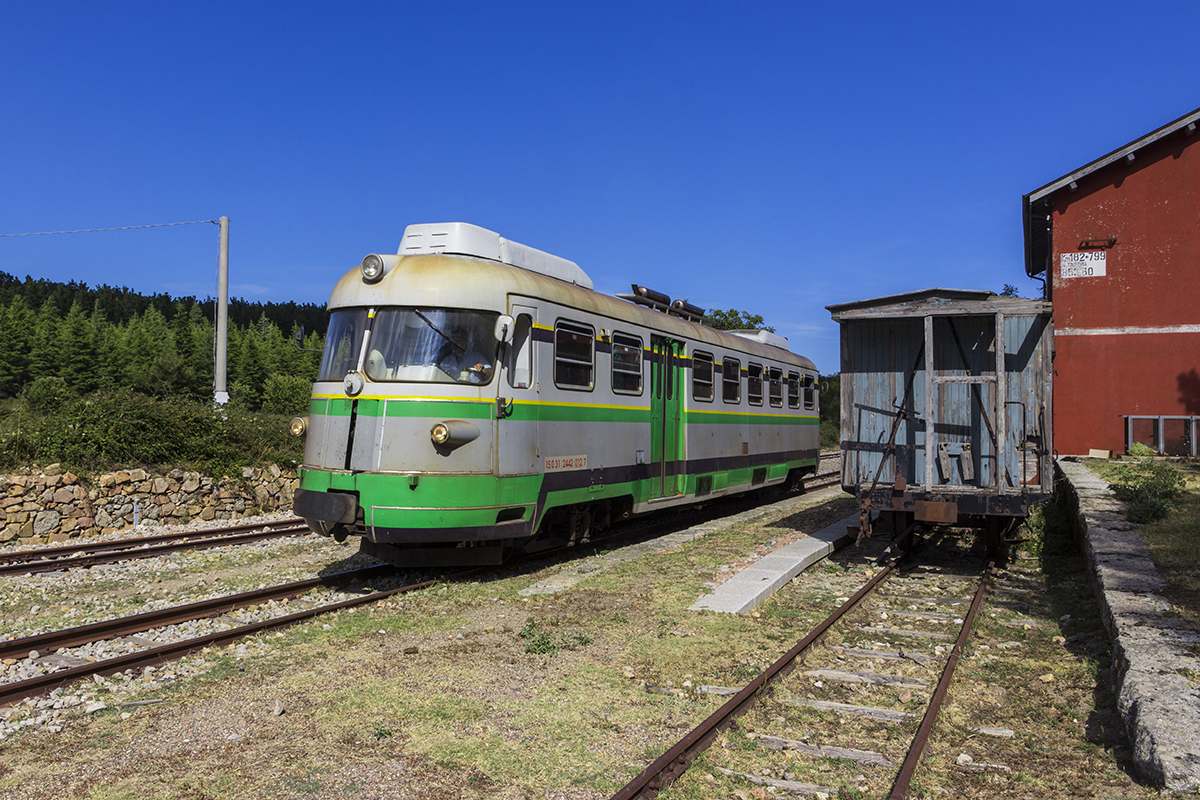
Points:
point(220, 396)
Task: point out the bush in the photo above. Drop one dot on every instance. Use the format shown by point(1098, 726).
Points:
point(286, 394)
point(1147, 489)
point(46, 394)
point(831, 435)
point(122, 428)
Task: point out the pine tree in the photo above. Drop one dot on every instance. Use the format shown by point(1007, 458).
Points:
point(79, 367)
point(203, 334)
point(44, 358)
point(16, 329)
point(106, 343)
point(185, 348)
point(152, 361)
point(252, 369)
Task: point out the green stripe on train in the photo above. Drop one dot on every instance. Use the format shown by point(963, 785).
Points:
point(452, 501)
point(521, 410)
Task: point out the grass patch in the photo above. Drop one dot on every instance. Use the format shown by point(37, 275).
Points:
point(1172, 539)
point(551, 643)
point(1148, 489)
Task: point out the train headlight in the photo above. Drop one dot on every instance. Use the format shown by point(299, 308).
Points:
point(375, 266)
point(372, 268)
point(440, 433)
point(298, 426)
point(453, 432)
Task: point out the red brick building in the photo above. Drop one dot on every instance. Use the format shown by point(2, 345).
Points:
point(1118, 242)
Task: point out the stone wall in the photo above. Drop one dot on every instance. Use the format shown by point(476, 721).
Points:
point(1153, 652)
point(52, 505)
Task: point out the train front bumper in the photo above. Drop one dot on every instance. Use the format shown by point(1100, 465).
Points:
point(411, 509)
point(331, 507)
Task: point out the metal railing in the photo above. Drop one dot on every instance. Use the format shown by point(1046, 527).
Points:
point(1166, 435)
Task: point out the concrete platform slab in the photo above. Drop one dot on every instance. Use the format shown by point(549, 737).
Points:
point(760, 580)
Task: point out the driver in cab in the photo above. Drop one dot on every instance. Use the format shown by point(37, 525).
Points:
point(463, 363)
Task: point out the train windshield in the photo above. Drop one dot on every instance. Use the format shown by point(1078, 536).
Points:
point(432, 344)
point(342, 343)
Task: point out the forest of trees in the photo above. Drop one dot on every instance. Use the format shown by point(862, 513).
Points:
point(74, 339)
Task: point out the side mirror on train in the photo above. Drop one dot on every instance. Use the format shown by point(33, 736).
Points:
point(298, 342)
point(504, 328)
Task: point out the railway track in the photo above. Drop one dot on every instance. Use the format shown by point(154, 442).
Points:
point(911, 650)
point(152, 656)
point(69, 669)
point(87, 554)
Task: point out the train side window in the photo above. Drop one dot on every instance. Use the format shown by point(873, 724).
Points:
point(520, 354)
point(775, 386)
point(702, 376)
point(810, 398)
point(754, 378)
point(626, 364)
point(731, 380)
point(793, 383)
point(574, 356)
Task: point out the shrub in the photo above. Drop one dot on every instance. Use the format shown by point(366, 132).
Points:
point(1148, 489)
point(46, 394)
point(286, 394)
point(123, 428)
point(831, 435)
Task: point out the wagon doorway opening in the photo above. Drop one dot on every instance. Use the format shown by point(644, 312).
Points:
point(666, 418)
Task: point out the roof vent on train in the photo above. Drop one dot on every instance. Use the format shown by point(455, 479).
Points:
point(465, 239)
point(765, 337)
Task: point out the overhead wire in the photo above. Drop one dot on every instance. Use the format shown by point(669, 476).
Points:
point(122, 228)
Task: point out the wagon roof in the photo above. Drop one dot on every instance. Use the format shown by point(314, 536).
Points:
point(936, 302)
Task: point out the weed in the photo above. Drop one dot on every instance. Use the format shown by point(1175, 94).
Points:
point(1140, 450)
point(383, 732)
point(541, 642)
point(1148, 489)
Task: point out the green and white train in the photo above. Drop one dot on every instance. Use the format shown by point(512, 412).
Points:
point(477, 396)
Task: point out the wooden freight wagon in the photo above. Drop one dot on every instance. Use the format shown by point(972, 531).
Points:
point(935, 428)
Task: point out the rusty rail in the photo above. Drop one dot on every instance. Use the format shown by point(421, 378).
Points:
point(673, 763)
point(15, 692)
point(88, 554)
point(904, 779)
point(137, 623)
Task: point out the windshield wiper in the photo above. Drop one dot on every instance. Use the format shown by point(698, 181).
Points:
point(438, 330)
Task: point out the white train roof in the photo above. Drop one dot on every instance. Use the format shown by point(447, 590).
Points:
point(465, 239)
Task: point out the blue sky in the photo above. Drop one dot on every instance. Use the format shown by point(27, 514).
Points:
point(770, 157)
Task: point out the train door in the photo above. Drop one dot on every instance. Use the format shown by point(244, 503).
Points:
point(964, 440)
point(516, 406)
point(666, 417)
